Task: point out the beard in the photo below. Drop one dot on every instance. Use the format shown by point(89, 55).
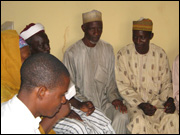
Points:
point(92, 42)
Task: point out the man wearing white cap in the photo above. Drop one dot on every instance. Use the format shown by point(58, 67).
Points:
point(77, 122)
point(144, 81)
point(36, 38)
point(90, 62)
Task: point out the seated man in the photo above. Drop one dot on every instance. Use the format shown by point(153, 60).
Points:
point(90, 62)
point(35, 36)
point(175, 75)
point(42, 93)
point(144, 81)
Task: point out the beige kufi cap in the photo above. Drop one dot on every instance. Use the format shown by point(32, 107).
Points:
point(92, 16)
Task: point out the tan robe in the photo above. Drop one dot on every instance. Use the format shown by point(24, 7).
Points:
point(175, 75)
point(146, 78)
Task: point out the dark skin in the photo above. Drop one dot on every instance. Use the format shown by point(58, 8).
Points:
point(92, 33)
point(25, 53)
point(118, 104)
point(48, 122)
point(141, 40)
point(49, 103)
point(169, 106)
point(39, 43)
point(147, 108)
point(86, 107)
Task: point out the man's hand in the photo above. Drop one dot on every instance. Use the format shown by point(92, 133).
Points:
point(87, 107)
point(74, 115)
point(147, 108)
point(169, 105)
point(118, 104)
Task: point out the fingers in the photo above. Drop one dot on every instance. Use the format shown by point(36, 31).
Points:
point(119, 106)
point(122, 108)
point(150, 111)
point(88, 108)
point(90, 111)
point(170, 109)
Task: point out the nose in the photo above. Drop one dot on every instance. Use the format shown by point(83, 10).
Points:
point(47, 47)
point(138, 40)
point(96, 32)
point(64, 100)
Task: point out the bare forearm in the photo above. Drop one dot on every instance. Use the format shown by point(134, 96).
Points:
point(47, 124)
point(75, 103)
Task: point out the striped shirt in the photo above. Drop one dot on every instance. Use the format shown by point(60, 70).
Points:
point(96, 123)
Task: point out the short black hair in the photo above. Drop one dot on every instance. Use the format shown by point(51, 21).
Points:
point(42, 69)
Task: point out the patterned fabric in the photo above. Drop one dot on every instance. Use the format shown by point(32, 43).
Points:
point(22, 43)
point(175, 75)
point(146, 78)
point(143, 24)
point(96, 123)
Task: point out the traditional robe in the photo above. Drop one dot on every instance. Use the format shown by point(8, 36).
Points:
point(175, 75)
point(92, 71)
point(146, 78)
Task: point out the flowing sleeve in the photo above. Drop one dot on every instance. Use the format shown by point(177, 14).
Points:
point(126, 90)
point(68, 61)
point(111, 86)
point(166, 78)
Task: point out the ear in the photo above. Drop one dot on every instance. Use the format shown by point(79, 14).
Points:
point(41, 92)
point(83, 27)
point(152, 35)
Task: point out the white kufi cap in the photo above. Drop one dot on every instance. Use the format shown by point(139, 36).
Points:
point(31, 31)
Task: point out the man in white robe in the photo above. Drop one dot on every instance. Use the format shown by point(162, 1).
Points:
point(144, 80)
point(90, 62)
